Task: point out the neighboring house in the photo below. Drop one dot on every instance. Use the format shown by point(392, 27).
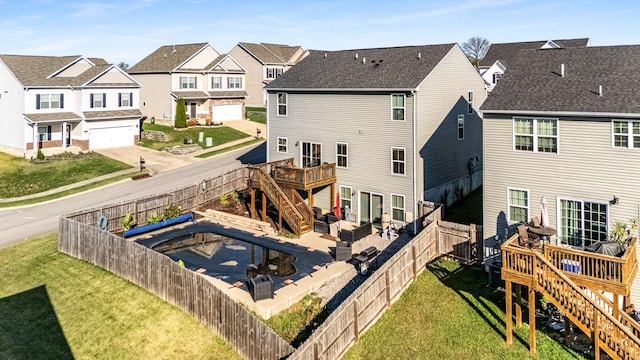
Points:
point(211, 84)
point(495, 62)
point(51, 102)
point(264, 63)
point(400, 123)
point(573, 137)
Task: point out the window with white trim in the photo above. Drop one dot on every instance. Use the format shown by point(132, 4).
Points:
point(460, 126)
point(397, 207)
point(518, 205)
point(582, 223)
point(98, 100)
point(273, 73)
point(188, 82)
point(535, 134)
point(125, 99)
point(216, 82)
point(234, 82)
point(341, 155)
point(397, 107)
point(345, 197)
point(282, 104)
point(626, 134)
point(496, 77)
point(398, 161)
point(49, 101)
point(44, 133)
point(470, 102)
point(283, 145)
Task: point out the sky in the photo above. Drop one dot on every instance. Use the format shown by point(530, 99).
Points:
point(127, 31)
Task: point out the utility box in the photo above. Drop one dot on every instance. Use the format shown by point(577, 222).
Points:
point(261, 287)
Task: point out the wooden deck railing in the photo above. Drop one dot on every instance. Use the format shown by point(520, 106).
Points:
point(596, 271)
point(305, 178)
point(300, 204)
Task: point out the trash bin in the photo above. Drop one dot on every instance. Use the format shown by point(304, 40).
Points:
point(495, 278)
point(261, 287)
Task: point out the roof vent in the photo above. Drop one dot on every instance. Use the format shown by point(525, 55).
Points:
point(364, 60)
point(419, 55)
point(174, 49)
point(325, 55)
point(562, 70)
point(356, 55)
point(599, 90)
point(165, 55)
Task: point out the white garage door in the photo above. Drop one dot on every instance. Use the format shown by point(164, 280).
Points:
point(227, 112)
point(111, 137)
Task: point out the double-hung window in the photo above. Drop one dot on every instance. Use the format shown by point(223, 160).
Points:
point(283, 145)
point(49, 101)
point(234, 82)
point(518, 205)
point(397, 107)
point(216, 82)
point(535, 134)
point(188, 82)
point(626, 134)
point(398, 161)
point(271, 73)
point(582, 223)
point(397, 207)
point(98, 100)
point(460, 126)
point(125, 99)
point(345, 196)
point(470, 102)
point(282, 104)
point(341, 155)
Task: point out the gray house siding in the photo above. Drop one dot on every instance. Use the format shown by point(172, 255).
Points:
point(443, 161)
point(253, 78)
point(155, 95)
point(363, 121)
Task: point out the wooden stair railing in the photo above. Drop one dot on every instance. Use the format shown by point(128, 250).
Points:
point(300, 204)
point(277, 196)
point(591, 316)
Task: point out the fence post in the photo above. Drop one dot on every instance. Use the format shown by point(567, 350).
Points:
point(415, 262)
point(387, 290)
point(472, 242)
point(356, 331)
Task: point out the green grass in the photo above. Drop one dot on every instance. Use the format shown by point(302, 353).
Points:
point(450, 313)
point(293, 324)
point(220, 135)
point(468, 210)
point(53, 306)
point(257, 114)
point(19, 177)
point(227, 149)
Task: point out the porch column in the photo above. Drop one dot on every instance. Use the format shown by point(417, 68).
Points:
point(63, 130)
point(532, 320)
point(35, 138)
point(508, 315)
point(333, 196)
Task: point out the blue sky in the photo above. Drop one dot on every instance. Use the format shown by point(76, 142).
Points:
point(122, 30)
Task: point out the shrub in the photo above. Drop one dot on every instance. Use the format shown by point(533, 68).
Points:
point(40, 155)
point(154, 218)
point(192, 122)
point(171, 211)
point(236, 198)
point(224, 200)
point(128, 222)
point(181, 116)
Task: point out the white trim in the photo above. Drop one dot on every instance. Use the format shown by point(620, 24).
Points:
point(404, 106)
point(302, 142)
point(404, 209)
point(404, 161)
point(340, 187)
point(458, 127)
point(559, 218)
point(509, 221)
point(359, 219)
point(534, 135)
point(286, 145)
point(559, 113)
point(470, 98)
point(630, 135)
point(286, 104)
point(347, 154)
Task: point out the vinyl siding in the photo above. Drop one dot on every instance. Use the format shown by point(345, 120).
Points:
point(12, 123)
point(363, 121)
point(253, 77)
point(113, 76)
point(202, 59)
point(441, 98)
point(155, 95)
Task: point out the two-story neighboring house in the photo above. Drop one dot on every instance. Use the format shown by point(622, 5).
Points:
point(400, 123)
point(264, 63)
point(211, 84)
point(495, 62)
point(52, 103)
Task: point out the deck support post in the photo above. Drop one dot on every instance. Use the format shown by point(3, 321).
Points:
point(518, 305)
point(616, 306)
point(253, 202)
point(310, 193)
point(567, 331)
point(333, 196)
point(532, 320)
point(264, 206)
point(596, 336)
point(508, 317)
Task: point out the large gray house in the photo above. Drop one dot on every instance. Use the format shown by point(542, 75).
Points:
point(400, 123)
point(564, 124)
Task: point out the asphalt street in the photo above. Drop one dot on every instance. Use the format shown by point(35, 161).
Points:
point(20, 223)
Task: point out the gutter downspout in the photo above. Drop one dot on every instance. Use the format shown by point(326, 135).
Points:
point(266, 136)
point(415, 200)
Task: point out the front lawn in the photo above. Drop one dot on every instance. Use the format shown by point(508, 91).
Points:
point(19, 177)
point(450, 313)
point(257, 114)
point(220, 135)
point(53, 306)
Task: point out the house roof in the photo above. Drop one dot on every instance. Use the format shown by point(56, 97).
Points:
point(534, 84)
point(166, 58)
point(34, 71)
point(379, 68)
point(506, 52)
point(271, 53)
point(111, 114)
point(209, 94)
point(56, 116)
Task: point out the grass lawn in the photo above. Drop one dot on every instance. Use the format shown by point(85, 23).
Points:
point(468, 210)
point(53, 306)
point(20, 176)
point(220, 135)
point(257, 114)
point(449, 313)
point(227, 149)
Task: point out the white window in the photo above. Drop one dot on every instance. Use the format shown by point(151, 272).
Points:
point(283, 145)
point(345, 197)
point(216, 82)
point(518, 205)
point(397, 207)
point(397, 107)
point(278, 72)
point(44, 133)
point(188, 82)
point(98, 100)
point(234, 82)
point(49, 101)
point(626, 134)
point(398, 162)
point(460, 126)
point(271, 73)
point(125, 99)
point(582, 223)
point(282, 104)
point(535, 135)
point(496, 77)
point(470, 102)
point(341, 155)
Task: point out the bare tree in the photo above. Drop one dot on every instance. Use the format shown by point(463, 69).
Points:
point(123, 65)
point(475, 49)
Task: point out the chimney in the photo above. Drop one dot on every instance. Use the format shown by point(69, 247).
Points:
point(599, 90)
point(562, 70)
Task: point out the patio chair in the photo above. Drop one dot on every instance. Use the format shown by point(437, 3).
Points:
point(535, 221)
point(523, 238)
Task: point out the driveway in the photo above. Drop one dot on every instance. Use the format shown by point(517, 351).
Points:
point(155, 161)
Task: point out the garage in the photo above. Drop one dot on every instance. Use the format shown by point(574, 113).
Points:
point(227, 112)
point(102, 138)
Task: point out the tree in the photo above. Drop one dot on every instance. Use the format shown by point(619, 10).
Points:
point(181, 116)
point(475, 49)
point(123, 65)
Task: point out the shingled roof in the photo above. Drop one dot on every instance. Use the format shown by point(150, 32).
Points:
point(506, 52)
point(534, 82)
point(166, 58)
point(36, 70)
point(379, 68)
point(271, 53)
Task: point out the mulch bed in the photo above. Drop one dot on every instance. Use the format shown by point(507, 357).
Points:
point(140, 176)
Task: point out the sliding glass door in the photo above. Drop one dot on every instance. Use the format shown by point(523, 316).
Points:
point(371, 207)
point(311, 154)
point(582, 223)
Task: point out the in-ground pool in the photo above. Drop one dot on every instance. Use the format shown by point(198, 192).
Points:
point(234, 255)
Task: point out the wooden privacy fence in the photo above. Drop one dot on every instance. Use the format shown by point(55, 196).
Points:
point(190, 291)
point(460, 242)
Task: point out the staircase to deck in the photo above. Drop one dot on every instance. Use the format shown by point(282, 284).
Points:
point(611, 330)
